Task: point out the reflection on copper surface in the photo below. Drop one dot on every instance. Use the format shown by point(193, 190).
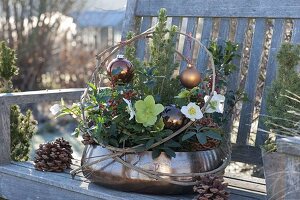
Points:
point(113, 174)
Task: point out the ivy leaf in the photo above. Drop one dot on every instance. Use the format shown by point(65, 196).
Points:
point(201, 138)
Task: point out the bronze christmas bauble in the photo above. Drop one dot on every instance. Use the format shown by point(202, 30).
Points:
point(120, 70)
point(190, 77)
point(173, 118)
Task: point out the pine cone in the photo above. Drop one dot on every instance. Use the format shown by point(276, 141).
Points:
point(207, 122)
point(211, 187)
point(54, 156)
point(64, 144)
point(210, 144)
point(87, 139)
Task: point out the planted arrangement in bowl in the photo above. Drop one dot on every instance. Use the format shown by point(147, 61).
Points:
point(154, 127)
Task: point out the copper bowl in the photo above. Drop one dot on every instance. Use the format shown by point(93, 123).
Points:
point(112, 174)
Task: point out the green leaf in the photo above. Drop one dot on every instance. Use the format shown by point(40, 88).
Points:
point(114, 142)
point(188, 135)
point(92, 86)
point(156, 153)
point(62, 102)
point(183, 94)
point(213, 135)
point(149, 143)
point(201, 138)
point(172, 143)
point(76, 132)
point(159, 125)
point(61, 115)
point(113, 129)
point(169, 152)
point(140, 149)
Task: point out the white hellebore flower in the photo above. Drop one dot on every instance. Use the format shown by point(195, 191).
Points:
point(55, 109)
point(130, 109)
point(192, 111)
point(216, 103)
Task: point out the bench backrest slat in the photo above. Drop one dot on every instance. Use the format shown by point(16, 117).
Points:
point(223, 8)
point(239, 37)
point(189, 46)
point(277, 39)
point(251, 80)
point(141, 45)
point(223, 30)
point(129, 23)
point(205, 38)
point(296, 31)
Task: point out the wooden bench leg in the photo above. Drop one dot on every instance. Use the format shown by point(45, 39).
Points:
point(4, 133)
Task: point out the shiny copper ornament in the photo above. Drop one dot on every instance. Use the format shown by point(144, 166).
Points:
point(190, 77)
point(173, 118)
point(120, 70)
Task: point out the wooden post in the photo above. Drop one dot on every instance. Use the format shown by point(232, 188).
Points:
point(4, 133)
point(129, 21)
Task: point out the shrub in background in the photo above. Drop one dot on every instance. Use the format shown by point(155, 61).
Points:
point(286, 83)
point(22, 126)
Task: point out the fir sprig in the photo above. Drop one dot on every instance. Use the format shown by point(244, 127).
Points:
point(8, 67)
point(162, 56)
point(22, 126)
point(287, 80)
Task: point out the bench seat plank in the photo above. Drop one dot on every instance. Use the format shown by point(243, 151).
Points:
point(32, 184)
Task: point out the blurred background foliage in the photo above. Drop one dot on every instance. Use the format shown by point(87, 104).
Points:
point(56, 40)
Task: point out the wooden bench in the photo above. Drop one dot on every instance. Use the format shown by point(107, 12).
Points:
point(200, 17)
point(21, 180)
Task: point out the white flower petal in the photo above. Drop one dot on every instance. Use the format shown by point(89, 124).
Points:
point(130, 109)
point(218, 101)
point(196, 111)
point(55, 109)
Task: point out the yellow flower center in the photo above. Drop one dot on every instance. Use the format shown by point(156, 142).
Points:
point(192, 111)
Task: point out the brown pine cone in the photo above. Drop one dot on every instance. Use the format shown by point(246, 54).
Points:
point(207, 122)
point(87, 139)
point(210, 144)
point(64, 144)
point(53, 156)
point(211, 187)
